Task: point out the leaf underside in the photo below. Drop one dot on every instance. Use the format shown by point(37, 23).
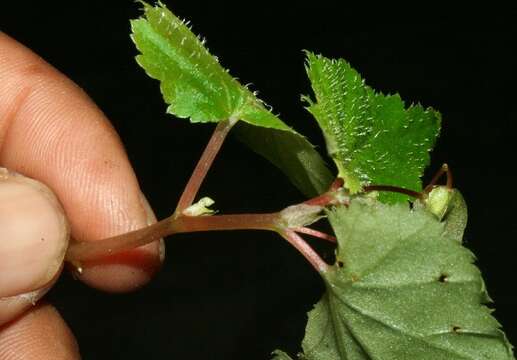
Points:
point(372, 137)
point(405, 289)
point(196, 86)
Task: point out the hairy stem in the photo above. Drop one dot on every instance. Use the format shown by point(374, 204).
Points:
point(203, 165)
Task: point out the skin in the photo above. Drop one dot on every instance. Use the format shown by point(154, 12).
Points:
point(51, 131)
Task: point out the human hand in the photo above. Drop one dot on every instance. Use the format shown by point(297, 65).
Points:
point(51, 131)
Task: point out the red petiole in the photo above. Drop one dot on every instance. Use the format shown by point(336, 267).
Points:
point(315, 233)
point(205, 162)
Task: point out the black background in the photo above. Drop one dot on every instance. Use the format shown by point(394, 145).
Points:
point(240, 295)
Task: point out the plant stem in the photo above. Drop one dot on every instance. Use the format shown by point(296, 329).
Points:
point(336, 184)
point(443, 170)
point(89, 250)
point(321, 200)
point(395, 189)
point(79, 251)
point(186, 224)
point(312, 256)
point(315, 233)
point(205, 161)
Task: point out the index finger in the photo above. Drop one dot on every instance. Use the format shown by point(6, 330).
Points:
point(51, 131)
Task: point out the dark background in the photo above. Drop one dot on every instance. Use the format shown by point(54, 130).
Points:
point(240, 295)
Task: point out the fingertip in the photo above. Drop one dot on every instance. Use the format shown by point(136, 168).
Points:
point(123, 272)
point(38, 334)
point(128, 270)
point(13, 306)
point(53, 132)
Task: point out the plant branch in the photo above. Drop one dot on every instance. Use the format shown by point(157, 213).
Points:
point(443, 170)
point(321, 200)
point(205, 161)
point(308, 252)
point(284, 222)
point(335, 195)
point(186, 224)
point(315, 233)
point(89, 250)
point(395, 189)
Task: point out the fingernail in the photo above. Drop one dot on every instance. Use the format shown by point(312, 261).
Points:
point(151, 219)
point(33, 234)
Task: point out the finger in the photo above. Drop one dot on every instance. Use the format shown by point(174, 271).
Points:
point(39, 334)
point(51, 131)
point(33, 240)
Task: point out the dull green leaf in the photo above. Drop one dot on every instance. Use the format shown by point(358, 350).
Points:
point(456, 216)
point(196, 86)
point(402, 288)
point(372, 137)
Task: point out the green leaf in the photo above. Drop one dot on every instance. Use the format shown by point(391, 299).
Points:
point(456, 216)
point(196, 86)
point(404, 288)
point(192, 81)
point(372, 137)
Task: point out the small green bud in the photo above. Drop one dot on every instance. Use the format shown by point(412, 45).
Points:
point(438, 201)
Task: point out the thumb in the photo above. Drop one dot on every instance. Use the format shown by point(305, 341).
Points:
point(33, 241)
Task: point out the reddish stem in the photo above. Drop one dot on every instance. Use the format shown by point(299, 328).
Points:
point(338, 183)
point(322, 200)
point(329, 197)
point(205, 161)
point(395, 189)
point(315, 233)
point(312, 256)
point(185, 224)
point(443, 170)
point(89, 250)
point(178, 223)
